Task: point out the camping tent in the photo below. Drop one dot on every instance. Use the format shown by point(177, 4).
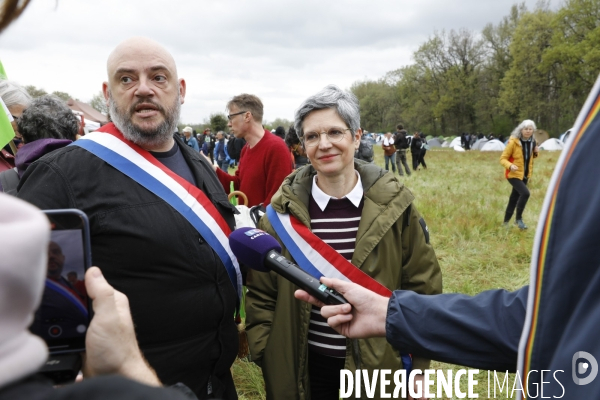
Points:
point(455, 142)
point(552, 144)
point(493, 145)
point(458, 148)
point(89, 112)
point(434, 143)
point(540, 136)
point(479, 144)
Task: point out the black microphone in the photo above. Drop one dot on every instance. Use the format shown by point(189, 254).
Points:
point(260, 251)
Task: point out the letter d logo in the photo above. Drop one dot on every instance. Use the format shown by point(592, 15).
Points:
point(583, 367)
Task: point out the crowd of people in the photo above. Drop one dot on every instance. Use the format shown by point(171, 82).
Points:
point(166, 288)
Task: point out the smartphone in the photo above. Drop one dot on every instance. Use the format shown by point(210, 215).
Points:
point(64, 315)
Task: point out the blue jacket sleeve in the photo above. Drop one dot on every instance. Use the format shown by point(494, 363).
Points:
point(481, 331)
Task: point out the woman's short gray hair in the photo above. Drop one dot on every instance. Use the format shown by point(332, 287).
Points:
point(13, 94)
point(344, 103)
point(48, 117)
point(525, 124)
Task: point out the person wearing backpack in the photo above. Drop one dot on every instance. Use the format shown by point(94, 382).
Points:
point(234, 148)
point(389, 151)
point(365, 151)
point(517, 159)
point(401, 144)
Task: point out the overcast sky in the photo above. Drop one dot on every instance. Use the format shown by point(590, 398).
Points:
point(283, 51)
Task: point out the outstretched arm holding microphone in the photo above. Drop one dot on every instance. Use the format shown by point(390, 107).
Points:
point(481, 331)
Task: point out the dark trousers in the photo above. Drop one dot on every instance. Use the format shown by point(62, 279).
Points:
point(518, 198)
point(415, 159)
point(224, 165)
point(422, 158)
point(401, 160)
point(324, 375)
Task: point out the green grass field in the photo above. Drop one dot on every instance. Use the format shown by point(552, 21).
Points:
point(462, 196)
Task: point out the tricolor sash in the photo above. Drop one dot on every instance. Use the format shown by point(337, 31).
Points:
point(318, 259)
point(138, 164)
point(315, 256)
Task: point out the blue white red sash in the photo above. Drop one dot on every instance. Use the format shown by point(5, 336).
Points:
point(109, 145)
point(315, 256)
point(319, 259)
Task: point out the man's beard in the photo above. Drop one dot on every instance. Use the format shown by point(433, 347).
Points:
point(146, 138)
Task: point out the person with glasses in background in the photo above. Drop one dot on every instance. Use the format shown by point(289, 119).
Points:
point(368, 218)
point(264, 160)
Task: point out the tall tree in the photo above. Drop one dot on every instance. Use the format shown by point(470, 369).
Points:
point(218, 122)
point(529, 88)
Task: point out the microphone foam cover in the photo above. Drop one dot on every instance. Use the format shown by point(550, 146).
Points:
point(251, 245)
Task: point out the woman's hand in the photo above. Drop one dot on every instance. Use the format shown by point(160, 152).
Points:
point(513, 167)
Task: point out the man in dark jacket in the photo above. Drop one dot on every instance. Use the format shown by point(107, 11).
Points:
point(181, 296)
point(401, 144)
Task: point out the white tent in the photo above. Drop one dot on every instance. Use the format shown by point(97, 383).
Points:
point(455, 142)
point(493, 145)
point(446, 144)
point(479, 144)
point(434, 143)
point(458, 148)
point(552, 144)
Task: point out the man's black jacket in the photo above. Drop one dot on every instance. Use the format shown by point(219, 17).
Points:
point(181, 298)
point(401, 142)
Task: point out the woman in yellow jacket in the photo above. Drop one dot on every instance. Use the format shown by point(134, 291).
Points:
point(517, 158)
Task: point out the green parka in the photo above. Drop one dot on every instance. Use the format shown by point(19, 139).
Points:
point(391, 247)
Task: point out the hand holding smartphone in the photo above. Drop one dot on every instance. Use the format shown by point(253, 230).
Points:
point(65, 312)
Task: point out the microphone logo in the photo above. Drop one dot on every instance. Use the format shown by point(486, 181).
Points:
point(254, 233)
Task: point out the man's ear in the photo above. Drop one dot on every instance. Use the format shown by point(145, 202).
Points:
point(105, 91)
point(182, 88)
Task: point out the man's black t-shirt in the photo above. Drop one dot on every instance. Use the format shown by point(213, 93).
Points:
point(174, 160)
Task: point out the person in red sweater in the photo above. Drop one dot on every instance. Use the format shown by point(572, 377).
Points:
point(265, 159)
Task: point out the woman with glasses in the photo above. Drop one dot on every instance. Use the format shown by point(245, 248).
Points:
point(367, 217)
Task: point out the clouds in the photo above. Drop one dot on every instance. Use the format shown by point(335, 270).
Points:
point(281, 51)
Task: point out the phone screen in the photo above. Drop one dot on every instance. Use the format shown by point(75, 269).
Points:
point(64, 314)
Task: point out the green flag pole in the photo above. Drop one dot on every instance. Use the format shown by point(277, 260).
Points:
point(6, 130)
point(2, 72)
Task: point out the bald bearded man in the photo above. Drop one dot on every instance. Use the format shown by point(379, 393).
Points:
point(145, 239)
